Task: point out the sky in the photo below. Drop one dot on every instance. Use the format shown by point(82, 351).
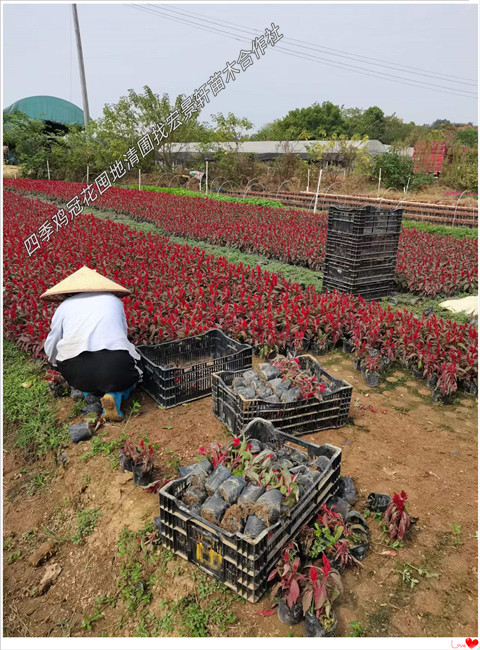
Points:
point(127, 47)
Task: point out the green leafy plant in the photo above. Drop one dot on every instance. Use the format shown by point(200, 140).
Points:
point(357, 629)
point(13, 557)
point(86, 522)
point(412, 579)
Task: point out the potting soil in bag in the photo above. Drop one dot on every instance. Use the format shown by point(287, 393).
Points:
point(248, 376)
point(299, 469)
point(346, 489)
point(274, 383)
point(263, 393)
point(216, 478)
point(213, 509)
point(247, 393)
point(337, 504)
point(79, 432)
point(282, 388)
point(234, 519)
point(257, 446)
point(238, 382)
point(195, 508)
point(268, 507)
point(292, 395)
point(321, 463)
point(267, 371)
point(254, 527)
point(297, 457)
point(194, 495)
point(250, 494)
point(184, 470)
point(231, 489)
point(198, 476)
point(272, 400)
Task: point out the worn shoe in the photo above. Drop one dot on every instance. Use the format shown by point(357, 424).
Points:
point(110, 411)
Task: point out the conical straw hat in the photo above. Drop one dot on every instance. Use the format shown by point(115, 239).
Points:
point(83, 280)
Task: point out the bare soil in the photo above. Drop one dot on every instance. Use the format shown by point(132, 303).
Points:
point(399, 441)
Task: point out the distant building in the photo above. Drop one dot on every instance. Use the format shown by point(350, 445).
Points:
point(55, 112)
point(183, 152)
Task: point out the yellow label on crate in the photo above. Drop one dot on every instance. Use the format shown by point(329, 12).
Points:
point(208, 557)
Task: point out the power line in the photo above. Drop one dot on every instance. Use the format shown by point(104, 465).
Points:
point(342, 53)
point(364, 71)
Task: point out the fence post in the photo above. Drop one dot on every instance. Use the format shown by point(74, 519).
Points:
point(206, 178)
point(318, 189)
point(379, 181)
point(139, 180)
point(48, 170)
point(308, 179)
point(88, 172)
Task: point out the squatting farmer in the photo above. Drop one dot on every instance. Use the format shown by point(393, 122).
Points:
point(88, 341)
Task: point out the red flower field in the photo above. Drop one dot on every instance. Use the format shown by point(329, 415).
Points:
point(179, 291)
point(427, 263)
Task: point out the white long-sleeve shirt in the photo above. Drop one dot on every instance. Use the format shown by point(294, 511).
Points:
point(88, 322)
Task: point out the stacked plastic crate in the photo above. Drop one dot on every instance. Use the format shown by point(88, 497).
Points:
point(361, 251)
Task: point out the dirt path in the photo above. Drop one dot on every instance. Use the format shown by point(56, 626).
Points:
point(407, 443)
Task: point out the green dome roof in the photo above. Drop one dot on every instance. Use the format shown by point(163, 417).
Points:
point(48, 109)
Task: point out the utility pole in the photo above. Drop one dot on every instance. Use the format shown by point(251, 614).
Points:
point(86, 114)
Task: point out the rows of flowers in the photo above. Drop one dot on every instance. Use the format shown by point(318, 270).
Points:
point(427, 263)
point(179, 291)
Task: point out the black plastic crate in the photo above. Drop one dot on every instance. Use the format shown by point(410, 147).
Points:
point(337, 246)
point(341, 271)
point(298, 418)
point(363, 262)
point(240, 563)
point(181, 371)
point(365, 220)
point(367, 294)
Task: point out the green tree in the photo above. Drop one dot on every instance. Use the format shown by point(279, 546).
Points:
point(462, 171)
point(372, 123)
point(467, 137)
point(31, 142)
point(319, 120)
point(397, 172)
point(122, 125)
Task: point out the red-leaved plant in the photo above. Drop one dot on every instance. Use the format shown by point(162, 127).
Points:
point(141, 457)
point(322, 588)
point(290, 578)
point(396, 517)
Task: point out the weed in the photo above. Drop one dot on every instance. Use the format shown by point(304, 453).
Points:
point(195, 618)
point(30, 538)
point(13, 557)
point(88, 621)
point(86, 479)
point(39, 481)
point(86, 521)
point(409, 577)
point(357, 629)
point(32, 408)
point(8, 543)
point(457, 532)
point(134, 583)
point(109, 448)
point(174, 460)
point(77, 408)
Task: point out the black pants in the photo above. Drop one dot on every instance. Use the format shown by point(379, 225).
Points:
point(100, 372)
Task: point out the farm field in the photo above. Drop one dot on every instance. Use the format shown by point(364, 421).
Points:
point(74, 499)
point(427, 262)
point(402, 442)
